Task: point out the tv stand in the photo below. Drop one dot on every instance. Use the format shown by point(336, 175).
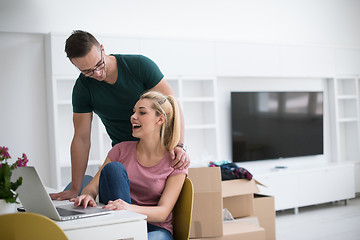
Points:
point(305, 185)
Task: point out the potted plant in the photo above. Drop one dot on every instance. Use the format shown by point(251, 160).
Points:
point(8, 195)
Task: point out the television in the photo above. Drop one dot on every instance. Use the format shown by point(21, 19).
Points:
point(275, 125)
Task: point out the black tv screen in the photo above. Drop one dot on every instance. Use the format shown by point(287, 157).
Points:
point(273, 125)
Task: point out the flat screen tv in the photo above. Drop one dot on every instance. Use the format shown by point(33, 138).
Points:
point(274, 125)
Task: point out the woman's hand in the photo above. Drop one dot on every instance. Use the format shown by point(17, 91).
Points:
point(84, 200)
point(117, 205)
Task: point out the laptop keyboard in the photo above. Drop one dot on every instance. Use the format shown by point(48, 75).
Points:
point(66, 212)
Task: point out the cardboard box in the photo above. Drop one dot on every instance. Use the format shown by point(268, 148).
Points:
point(210, 193)
point(207, 207)
point(252, 220)
point(238, 196)
point(264, 210)
point(234, 230)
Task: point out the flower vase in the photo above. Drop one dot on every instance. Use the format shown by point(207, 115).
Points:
point(6, 208)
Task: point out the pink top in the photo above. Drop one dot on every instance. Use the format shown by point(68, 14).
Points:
point(146, 183)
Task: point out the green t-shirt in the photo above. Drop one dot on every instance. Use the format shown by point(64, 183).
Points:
point(114, 103)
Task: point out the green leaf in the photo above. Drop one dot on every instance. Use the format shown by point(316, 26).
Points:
point(16, 184)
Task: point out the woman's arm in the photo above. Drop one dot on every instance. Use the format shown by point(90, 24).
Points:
point(166, 204)
point(89, 193)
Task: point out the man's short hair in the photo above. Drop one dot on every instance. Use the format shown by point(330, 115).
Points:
point(79, 44)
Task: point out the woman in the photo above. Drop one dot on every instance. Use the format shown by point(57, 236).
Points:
point(137, 176)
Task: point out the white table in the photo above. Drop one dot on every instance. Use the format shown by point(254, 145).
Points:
point(120, 224)
point(116, 225)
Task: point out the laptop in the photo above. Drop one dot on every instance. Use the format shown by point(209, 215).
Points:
point(36, 199)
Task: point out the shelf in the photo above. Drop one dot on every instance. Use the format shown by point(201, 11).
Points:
point(199, 113)
point(64, 87)
point(198, 99)
point(347, 120)
point(64, 102)
point(201, 126)
point(347, 97)
point(346, 86)
point(95, 162)
point(90, 163)
point(65, 173)
point(174, 83)
point(202, 145)
point(198, 88)
point(66, 77)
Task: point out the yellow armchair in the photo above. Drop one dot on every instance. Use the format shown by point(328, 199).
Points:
point(29, 226)
point(182, 212)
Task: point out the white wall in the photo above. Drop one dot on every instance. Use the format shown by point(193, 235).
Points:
point(23, 109)
point(325, 22)
point(22, 78)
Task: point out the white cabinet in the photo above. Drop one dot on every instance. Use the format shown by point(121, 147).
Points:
point(197, 96)
point(304, 186)
point(345, 101)
point(284, 187)
point(326, 184)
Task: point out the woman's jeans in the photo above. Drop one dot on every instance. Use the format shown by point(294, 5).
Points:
point(114, 184)
point(158, 233)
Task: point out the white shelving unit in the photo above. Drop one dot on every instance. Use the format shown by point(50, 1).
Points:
point(195, 86)
point(300, 186)
point(346, 100)
point(197, 96)
point(63, 132)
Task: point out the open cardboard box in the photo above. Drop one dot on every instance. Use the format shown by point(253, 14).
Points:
point(238, 196)
point(209, 192)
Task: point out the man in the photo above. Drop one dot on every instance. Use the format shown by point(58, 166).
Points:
point(108, 85)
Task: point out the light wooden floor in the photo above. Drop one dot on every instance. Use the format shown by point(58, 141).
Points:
point(330, 221)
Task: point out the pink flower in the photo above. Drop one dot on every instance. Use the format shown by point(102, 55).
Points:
point(4, 153)
point(21, 162)
point(7, 188)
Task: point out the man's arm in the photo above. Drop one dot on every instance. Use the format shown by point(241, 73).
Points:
point(182, 159)
point(80, 147)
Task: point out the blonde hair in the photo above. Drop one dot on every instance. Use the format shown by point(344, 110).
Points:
point(167, 106)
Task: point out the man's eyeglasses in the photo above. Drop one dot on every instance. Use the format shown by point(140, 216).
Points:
point(98, 67)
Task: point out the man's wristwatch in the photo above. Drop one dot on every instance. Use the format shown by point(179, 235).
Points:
point(182, 145)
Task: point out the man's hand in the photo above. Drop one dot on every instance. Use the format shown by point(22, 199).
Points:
point(65, 195)
point(181, 159)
